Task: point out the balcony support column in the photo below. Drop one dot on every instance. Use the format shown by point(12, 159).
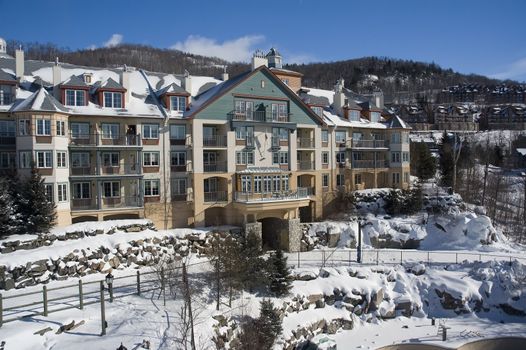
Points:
point(99, 195)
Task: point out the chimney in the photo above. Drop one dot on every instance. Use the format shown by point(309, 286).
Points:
point(187, 82)
point(379, 98)
point(19, 63)
point(339, 97)
point(56, 79)
point(224, 75)
point(125, 81)
point(259, 59)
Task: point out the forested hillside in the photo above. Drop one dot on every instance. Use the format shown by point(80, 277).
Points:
point(360, 74)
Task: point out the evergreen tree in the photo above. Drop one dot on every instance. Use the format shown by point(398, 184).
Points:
point(7, 210)
point(253, 266)
point(393, 202)
point(422, 161)
point(261, 333)
point(279, 274)
point(37, 212)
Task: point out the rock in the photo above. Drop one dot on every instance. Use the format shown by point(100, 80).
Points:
point(347, 324)
point(306, 276)
point(114, 262)
point(332, 239)
point(221, 319)
point(406, 307)
point(320, 304)
point(418, 269)
point(7, 284)
point(313, 298)
point(377, 299)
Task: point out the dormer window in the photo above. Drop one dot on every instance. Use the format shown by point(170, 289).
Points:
point(318, 110)
point(375, 116)
point(354, 115)
point(87, 78)
point(112, 99)
point(178, 103)
point(75, 97)
point(5, 95)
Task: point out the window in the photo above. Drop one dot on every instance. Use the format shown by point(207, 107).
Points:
point(285, 183)
point(80, 160)
point(325, 180)
point(246, 184)
point(75, 98)
point(340, 136)
point(178, 159)
point(151, 158)
point(111, 189)
point(244, 132)
point(257, 184)
point(375, 116)
point(396, 178)
point(244, 158)
point(110, 131)
point(81, 190)
point(24, 127)
point(26, 158)
point(395, 157)
point(406, 177)
point(267, 184)
point(5, 94)
point(276, 182)
point(179, 187)
point(325, 157)
point(7, 160)
point(7, 128)
point(405, 156)
point(279, 111)
point(340, 179)
point(405, 136)
point(177, 103)
point(151, 188)
point(354, 115)
point(357, 179)
point(48, 188)
point(177, 132)
point(150, 131)
point(285, 81)
point(325, 136)
point(61, 159)
point(244, 108)
point(209, 158)
point(62, 190)
point(340, 157)
point(110, 159)
point(318, 110)
point(79, 130)
point(112, 99)
point(280, 157)
point(395, 137)
point(283, 134)
point(43, 127)
point(44, 159)
point(210, 185)
point(61, 128)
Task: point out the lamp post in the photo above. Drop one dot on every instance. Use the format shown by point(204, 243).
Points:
point(109, 282)
point(359, 246)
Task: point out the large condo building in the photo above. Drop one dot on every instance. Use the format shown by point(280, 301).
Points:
point(256, 150)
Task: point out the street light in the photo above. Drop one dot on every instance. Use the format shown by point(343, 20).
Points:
point(109, 282)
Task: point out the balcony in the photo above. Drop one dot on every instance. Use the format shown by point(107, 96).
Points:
point(218, 167)
point(368, 144)
point(369, 164)
point(305, 142)
point(181, 168)
point(218, 196)
point(106, 203)
point(260, 116)
point(300, 193)
point(306, 165)
point(214, 141)
point(187, 141)
point(176, 197)
point(97, 140)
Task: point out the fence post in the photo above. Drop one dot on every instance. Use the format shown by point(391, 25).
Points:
point(377, 256)
point(480, 257)
point(1, 294)
point(162, 286)
point(81, 296)
point(349, 257)
point(298, 258)
point(428, 260)
point(456, 258)
point(401, 257)
point(1, 310)
point(102, 310)
point(44, 300)
point(138, 283)
point(323, 258)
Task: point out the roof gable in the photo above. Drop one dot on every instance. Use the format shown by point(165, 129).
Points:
point(172, 89)
point(6, 77)
point(110, 84)
point(75, 81)
point(41, 100)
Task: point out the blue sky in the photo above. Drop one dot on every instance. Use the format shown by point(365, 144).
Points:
point(484, 37)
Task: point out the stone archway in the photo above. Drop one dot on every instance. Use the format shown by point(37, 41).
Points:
point(274, 232)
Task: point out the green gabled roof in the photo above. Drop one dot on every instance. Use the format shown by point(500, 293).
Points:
point(205, 99)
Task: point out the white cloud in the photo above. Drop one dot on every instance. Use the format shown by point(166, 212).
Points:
point(516, 71)
point(239, 49)
point(91, 47)
point(115, 40)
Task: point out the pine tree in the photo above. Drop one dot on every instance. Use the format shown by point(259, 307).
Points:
point(269, 323)
point(7, 210)
point(37, 212)
point(279, 274)
point(253, 276)
point(393, 203)
point(422, 161)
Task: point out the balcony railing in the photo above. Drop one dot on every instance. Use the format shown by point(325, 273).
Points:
point(120, 169)
point(106, 203)
point(368, 143)
point(219, 167)
point(306, 165)
point(214, 141)
point(100, 140)
point(369, 164)
point(176, 197)
point(181, 168)
point(187, 141)
point(7, 139)
point(261, 116)
point(300, 193)
point(218, 196)
point(305, 142)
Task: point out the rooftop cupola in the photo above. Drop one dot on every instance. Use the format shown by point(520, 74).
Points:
point(274, 59)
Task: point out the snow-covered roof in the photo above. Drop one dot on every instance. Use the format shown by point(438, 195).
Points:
point(40, 101)
point(522, 151)
point(334, 120)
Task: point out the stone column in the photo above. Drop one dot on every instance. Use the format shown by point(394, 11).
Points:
point(295, 232)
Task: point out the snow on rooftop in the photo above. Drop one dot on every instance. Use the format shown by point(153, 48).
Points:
point(333, 119)
point(329, 94)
